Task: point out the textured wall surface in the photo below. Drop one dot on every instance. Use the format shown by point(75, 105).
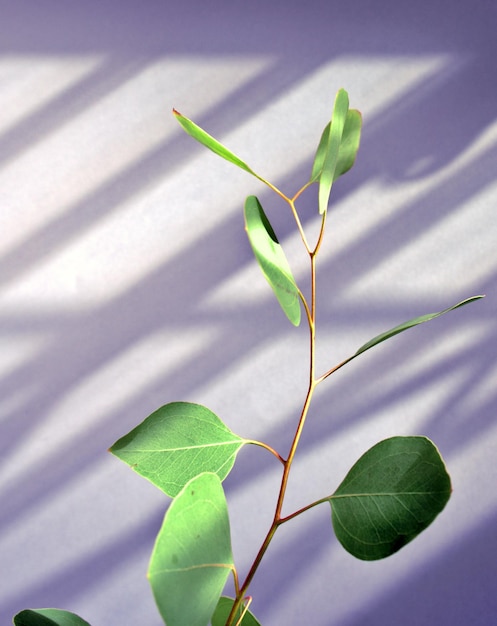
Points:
point(126, 281)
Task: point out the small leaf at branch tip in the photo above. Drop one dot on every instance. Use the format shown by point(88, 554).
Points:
point(337, 147)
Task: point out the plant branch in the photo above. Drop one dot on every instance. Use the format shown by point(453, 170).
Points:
point(335, 368)
point(277, 519)
point(248, 600)
point(321, 233)
point(267, 447)
point(301, 190)
point(303, 509)
point(306, 307)
point(271, 186)
point(241, 592)
point(235, 580)
point(299, 223)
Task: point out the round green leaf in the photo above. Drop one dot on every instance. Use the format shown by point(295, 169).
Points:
point(47, 617)
point(393, 492)
point(176, 443)
point(192, 555)
point(272, 259)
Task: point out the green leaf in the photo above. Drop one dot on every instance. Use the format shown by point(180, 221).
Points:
point(223, 610)
point(192, 558)
point(393, 492)
point(213, 144)
point(329, 157)
point(347, 151)
point(409, 324)
point(349, 145)
point(317, 166)
point(47, 617)
point(272, 259)
point(176, 443)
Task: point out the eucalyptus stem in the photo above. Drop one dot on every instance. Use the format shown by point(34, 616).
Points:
point(301, 190)
point(267, 447)
point(287, 518)
point(287, 464)
point(299, 223)
point(273, 188)
point(335, 368)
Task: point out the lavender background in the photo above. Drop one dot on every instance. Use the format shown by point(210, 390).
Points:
point(126, 282)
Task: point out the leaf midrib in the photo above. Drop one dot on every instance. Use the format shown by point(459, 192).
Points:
point(392, 494)
point(195, 447)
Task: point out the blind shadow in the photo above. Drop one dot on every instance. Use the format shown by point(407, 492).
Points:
point(422, 132)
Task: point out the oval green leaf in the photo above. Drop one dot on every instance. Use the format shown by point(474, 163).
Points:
point(48, 617)
point(393, 492)
point(177, 442)
point(410, 323)
point(192, 557)
point(223, 610)
point(272, 259)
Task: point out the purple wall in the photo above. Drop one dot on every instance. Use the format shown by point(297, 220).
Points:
point(123, 258)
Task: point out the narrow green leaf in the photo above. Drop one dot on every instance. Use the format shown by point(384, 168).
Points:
point(347, 151)
point(223, 610)
point(317, 166)
point(330, 160)
point(393, 492)
point(209, 142)
point(177, 442)
point(272, 259)
point(47, 617)
point(349, 145)
point(192, 558)
point(409, 324)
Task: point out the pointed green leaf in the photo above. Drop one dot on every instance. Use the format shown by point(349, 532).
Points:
point(393, 492)
point(272, 259)
point(330, 160)
point(347, 151)
point(192, 558)
point(47, 617)
point(209, 142)
point(317, 166)
point(349, 145)
point(176, 443)
point(223, 610)
point(409, 324)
